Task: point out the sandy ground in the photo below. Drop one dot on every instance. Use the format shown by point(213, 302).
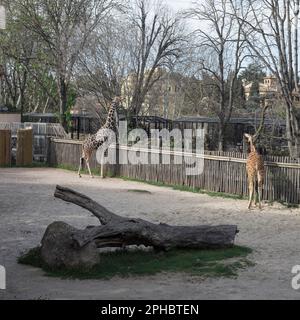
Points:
point(27, 207)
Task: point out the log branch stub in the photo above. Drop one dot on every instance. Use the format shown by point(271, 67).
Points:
point(105, 216)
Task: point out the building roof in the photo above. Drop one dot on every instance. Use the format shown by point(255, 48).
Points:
point(152, 119)
point(40, 115)
point(53, 115)
point(241, 120)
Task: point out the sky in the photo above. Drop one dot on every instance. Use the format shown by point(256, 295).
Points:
point(178, 5)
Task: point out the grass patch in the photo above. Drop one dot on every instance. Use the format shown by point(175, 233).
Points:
point(289, 205)
point(186, 189)
point(95, 172)
point(285, 204)
point(68, 167)
point(126, 263)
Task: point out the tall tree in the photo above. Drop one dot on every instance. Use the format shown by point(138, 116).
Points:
point(17, 47)
point(222, 48)
point(104, 61)
point(156, 39)
point(270, 29)
point(64, 26)
point(253, 74)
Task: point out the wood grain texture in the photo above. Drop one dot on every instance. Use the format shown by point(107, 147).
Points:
point(24, 155)
point(5, 147)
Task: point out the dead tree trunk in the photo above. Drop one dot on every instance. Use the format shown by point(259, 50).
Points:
point(66, 247)
point(116, 231)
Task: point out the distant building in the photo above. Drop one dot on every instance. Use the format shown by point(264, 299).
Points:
point(164, 99)
point(269, 87)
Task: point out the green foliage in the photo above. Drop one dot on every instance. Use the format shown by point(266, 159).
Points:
point(126, 263)
point(254, 92)
point(253, 73)
point(95, 172)
point(68, 118)
point(71, 100)
point(32, 258)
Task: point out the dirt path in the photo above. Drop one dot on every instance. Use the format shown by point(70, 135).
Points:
point(27, 207)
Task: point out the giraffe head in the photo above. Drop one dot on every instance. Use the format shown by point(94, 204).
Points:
point(249, 138)
point(117, 99)
point(113, 118)
point(116, 103)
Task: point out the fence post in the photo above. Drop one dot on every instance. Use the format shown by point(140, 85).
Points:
point(5, 147)
point(117, 165)
point(24, 147)
point(48, 160)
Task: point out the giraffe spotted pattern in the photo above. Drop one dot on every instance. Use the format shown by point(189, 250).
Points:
point(255, 171)
point(105, 135)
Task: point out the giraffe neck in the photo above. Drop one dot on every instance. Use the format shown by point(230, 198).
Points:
point(111, 117)
point(252, 148)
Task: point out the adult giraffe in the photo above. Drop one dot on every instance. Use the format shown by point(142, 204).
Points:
point(105, 134)
point(255, 171)
point(255, 163)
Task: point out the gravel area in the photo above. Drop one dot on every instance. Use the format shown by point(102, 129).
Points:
point(27, 207)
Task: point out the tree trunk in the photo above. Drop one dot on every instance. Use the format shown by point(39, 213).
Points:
point(117, 231)
point(292, 130)
point(63, 98)
point(221, 137)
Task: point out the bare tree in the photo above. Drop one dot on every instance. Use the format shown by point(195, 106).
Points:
point(222, 51)
point(270, 29)
point(103, 63)
point(64, 26)
point(156, 38)
point(29, 84)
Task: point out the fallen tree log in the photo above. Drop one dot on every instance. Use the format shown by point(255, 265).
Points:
point(117, 231)
point(64, 246)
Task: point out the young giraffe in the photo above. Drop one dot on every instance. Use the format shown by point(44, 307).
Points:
point(104, 135)
point(255, 170)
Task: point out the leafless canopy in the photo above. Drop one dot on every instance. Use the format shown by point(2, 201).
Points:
point(270, 29)
point(222, 49)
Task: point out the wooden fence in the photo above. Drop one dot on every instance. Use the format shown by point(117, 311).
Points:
point(223, 171)
point(41, 133)
point(5, 147)
point(24, 154)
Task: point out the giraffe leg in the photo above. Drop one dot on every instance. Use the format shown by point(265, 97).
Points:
point(260, 179)
point(256, 193)
point(80, 166)
point(88, 165)
point(259, 197)
point(251, 193)
point(102, 167)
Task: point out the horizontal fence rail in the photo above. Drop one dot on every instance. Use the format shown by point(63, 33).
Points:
point(39, 129)
point(223, 171)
